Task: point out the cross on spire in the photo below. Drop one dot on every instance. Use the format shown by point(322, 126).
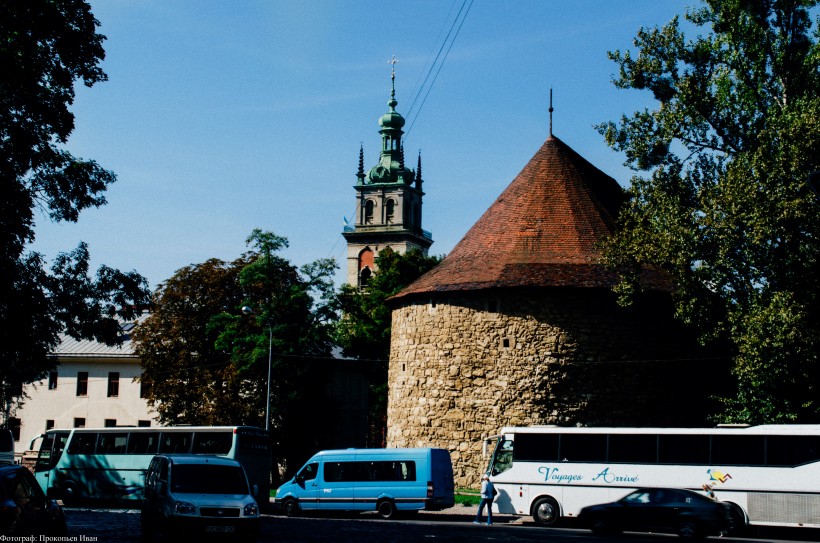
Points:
point(393, 61)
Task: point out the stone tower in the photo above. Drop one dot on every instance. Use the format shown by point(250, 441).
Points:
point(518, 325)
point(388, 202)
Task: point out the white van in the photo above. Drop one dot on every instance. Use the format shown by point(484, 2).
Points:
point(198, 494)
point(389, 481)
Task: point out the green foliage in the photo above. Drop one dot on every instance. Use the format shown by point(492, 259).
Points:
point(363, 331)
point(45, 47)
point(207, 361)
point(725, 207)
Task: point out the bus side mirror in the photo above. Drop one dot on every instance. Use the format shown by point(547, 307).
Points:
point(162, 487)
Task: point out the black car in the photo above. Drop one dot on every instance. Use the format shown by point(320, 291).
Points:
point(684, 512)
point(24, 508)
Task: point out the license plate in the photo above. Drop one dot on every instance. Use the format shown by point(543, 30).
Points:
point(219, 529)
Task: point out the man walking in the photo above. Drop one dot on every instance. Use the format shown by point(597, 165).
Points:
point(487, 496)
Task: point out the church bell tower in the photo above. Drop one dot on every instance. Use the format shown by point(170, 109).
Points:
point(388, 202)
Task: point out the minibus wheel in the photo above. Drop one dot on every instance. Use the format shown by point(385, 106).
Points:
point(386, 509)
point(290, 507)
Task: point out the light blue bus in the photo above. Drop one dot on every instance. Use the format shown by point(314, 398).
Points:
point(389, 481)
point(109, 464)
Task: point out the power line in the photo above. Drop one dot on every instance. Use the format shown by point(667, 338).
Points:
point(440, 65)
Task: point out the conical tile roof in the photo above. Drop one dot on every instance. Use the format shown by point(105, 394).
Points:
point(542, 231)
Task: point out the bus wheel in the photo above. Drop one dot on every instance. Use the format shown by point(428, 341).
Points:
point(290, 507)
point(545, 511)
point(386, 509)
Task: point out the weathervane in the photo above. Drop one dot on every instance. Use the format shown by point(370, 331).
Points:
point(551, 110)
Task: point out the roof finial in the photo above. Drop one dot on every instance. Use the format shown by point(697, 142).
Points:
point(393, 61)
point(551, 110)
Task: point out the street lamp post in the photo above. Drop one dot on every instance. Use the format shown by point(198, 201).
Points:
point(247, 310)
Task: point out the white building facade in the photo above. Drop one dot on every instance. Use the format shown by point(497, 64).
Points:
point(93, 386)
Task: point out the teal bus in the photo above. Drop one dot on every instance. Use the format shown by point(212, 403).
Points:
point(83, 465)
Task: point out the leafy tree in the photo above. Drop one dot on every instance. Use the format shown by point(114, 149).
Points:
point(45, 46)
point(724, 205)
point(363, 331)
point(190, 380)
point(206, 361)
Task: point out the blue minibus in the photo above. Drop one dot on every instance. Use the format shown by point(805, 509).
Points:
point(389, 481)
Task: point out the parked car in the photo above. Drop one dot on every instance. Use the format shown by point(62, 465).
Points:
point(24, 508)
point(680, 511)
point(198, 495)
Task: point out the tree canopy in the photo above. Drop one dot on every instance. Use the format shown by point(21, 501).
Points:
point(722, 199)
point(206, 361)
point(364, 330)
point(45, 47)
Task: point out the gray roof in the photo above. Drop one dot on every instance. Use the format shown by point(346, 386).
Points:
point(88, 348)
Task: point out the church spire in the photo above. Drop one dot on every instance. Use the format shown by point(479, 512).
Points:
point(360, 173)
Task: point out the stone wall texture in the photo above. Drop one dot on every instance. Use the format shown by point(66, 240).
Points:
point(464, 365)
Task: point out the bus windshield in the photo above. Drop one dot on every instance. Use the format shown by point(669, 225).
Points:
point(502, 459)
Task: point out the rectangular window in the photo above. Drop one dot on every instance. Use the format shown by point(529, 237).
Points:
point(738, 450)
point(79, 422)
point(112, 443)
point(144, 423)
point(143, 443)
point(49, 424)
point(52, 380)
point(82, 383)
point(583, 448)
point(113, 384)
point(792, 450)
point(401, 470)
point(110, 423)
point(212, 442)
point(633, 449)
point(82, 443)
point(536, 448)
point(175, 442)
point(683, 449)
point(145, 388)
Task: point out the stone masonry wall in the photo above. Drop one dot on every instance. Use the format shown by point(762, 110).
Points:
point(464, 366)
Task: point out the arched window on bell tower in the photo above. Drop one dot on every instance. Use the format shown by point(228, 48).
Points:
point(390, 211)
point(369, 208)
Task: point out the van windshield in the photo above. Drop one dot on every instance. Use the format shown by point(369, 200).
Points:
point(208, 479)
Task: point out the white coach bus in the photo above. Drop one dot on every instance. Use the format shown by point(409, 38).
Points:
point(770, 474)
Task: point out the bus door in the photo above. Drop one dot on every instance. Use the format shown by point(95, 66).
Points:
point(51, 450)
point(309, 486)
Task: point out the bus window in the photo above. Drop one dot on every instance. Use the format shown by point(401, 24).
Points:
point(738, 450)
point(143, 443)
point(536, 447)
point(683, 449)
point(633, 448)
point(112, 443)
point(82, 443)
point(583, 448)
point(212, 442)
point(253, 441)
point(175, 442)
point(792, 450)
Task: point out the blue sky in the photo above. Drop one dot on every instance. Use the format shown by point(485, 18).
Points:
point(221, 117)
